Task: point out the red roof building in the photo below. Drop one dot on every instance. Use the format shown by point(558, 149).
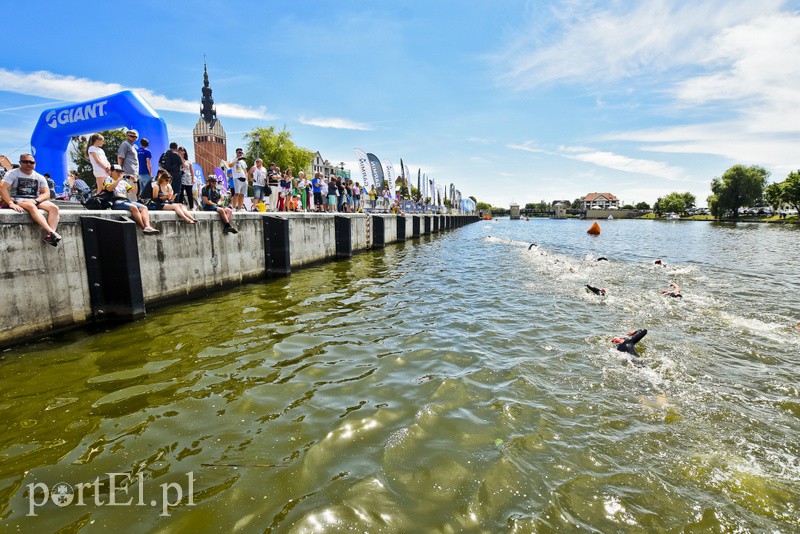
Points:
point(599, 201)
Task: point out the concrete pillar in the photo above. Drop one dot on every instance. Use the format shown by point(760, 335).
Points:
point(344, 242)
point(112, 268)
point(276, 246)
point(401, 228)
point(378, 231)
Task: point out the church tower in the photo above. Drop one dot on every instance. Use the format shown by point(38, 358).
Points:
point(209, 136)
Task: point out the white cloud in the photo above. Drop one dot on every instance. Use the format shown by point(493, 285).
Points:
point(525, 147)
point(333, 122)
point(738, 65)
point(610, 160)
point(755, 75)
point(592, 42)
point(71, 89)
point(625, 163)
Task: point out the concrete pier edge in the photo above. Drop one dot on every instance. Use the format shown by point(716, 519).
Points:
point(106, 268)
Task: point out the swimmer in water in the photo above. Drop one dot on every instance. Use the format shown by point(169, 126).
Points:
point(659, 262)
point(602, 258)
point(532, 245)
point(675, 292)
point(596, 290)
point(628, 344)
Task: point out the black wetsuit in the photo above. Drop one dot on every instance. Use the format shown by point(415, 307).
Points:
point(602, 258)
point(629, 344)
point(674, 295)
point(532, 245)
point(595, 290)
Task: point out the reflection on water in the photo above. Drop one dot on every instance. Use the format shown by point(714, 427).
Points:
point(460, 382)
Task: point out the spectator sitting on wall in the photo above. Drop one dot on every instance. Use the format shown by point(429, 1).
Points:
point(172, 162)
point(76, 189)
point(164, 196)
point(211, 202)
point(24, 189)
point(117, 183)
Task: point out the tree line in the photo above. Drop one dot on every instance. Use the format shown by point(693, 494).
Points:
point(743, 186)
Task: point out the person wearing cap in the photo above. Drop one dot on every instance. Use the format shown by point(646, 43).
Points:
point(117, 183)
point(24, 189)
point(239, 175)
point(128, 159)
point(211, 197)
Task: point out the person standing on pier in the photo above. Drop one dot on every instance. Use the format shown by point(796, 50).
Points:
point(172, 162)
point(273, 177)
point(239, 167)
point(258, 174)
point(145, 168)
point(128, 159)
point(97, 157)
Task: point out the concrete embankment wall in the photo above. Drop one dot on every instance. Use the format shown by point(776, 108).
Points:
point(106, 268)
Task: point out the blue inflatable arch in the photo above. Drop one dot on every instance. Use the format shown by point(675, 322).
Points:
point(56, 126)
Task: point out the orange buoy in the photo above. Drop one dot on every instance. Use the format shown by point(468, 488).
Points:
point(594, 230)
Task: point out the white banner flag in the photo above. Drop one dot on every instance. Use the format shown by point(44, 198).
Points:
point(364, 167)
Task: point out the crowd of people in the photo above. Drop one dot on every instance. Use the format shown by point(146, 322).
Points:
point(128, 184)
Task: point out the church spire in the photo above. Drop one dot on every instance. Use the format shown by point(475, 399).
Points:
point(208, 112)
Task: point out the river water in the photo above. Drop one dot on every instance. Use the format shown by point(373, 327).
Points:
point(459, 382)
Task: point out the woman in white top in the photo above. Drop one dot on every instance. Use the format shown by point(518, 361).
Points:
point(97, 157)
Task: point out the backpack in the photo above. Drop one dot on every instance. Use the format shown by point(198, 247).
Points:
point(101, 201)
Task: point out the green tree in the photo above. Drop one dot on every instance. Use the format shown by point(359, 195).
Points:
point(577, 204)
point(790, 189)
point(80, 158)
point(740, 186)
point(483, 206)
point(628, 207)
point(278, 147)
point(642, 206)
point(689, 200)
point(774, 194)
point(657, 209)
point(674, 202)
point(713, 206)
point(530, 207)
point(475, 200)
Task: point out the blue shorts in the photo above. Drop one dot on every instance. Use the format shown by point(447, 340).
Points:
point(125, 205)
point(331, 200)
point(209, 207)
point(258, 191)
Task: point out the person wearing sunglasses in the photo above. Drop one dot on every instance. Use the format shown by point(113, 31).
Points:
point(24, 189)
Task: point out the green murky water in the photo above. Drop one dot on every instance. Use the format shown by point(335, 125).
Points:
point(462, 382)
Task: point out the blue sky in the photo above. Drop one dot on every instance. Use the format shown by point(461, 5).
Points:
point(509, 100)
